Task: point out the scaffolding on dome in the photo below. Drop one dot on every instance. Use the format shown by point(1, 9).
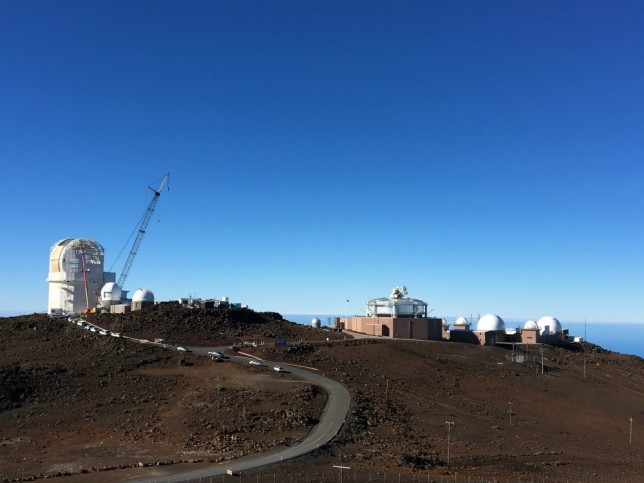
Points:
point(396, 305)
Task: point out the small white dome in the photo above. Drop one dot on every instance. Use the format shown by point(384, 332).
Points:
point(549, 325)
point(143, 295)
point(316, 323)
point(490, 322)
point(530, 324)
point(110, 295)
point(461, 321)
point(111, 291)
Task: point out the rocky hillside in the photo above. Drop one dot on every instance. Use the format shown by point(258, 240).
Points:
point(80, 404)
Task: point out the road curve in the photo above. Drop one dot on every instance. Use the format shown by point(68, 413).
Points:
point(331, 420)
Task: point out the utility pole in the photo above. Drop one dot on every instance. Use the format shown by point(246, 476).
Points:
point(387, 391)
point(449, 431)
point(346, 313)
point(342, 468)
point(630, 435)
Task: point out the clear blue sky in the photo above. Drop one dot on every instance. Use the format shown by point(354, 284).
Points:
point(487, 155)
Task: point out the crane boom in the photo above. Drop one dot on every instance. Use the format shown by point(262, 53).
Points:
point(144, 225)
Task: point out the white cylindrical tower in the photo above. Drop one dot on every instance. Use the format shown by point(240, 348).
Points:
point(316, 323)
point(76, 274)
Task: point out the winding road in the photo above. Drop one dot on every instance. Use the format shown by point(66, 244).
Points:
point(331, 420)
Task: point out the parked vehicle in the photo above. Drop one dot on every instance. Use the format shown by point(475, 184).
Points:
point(253, 362)
point(183, 349)
point(278, 369)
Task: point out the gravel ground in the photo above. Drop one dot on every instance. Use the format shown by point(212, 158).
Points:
point(87, 407)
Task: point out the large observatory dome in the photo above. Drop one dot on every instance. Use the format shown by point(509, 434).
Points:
point(75, 274)
point(143, 295)
point(70, 254)
point(490, 322)
point(549, 325)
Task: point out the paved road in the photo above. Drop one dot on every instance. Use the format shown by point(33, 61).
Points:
point(331, 420)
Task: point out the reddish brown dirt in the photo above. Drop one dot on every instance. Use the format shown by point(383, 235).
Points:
point(77, 402)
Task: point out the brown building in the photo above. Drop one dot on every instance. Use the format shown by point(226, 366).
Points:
point(396, 317)
point(423, 328)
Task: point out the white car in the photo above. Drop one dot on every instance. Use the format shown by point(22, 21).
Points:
point(93, 329)
point(104, 332)
point(116, 334)
point(253, 362)
point(215, 354)
point(183, 349)
point(278, 369)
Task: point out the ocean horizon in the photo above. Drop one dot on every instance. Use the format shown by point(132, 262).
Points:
point(625, 338)
point(622, 337)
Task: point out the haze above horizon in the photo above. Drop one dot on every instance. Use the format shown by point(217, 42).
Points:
point(486, 155)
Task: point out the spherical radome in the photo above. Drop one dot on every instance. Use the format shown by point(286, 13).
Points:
point(110, 294)
point(490, 322)
point(549, 325)
point(316, 323)
point(143, 295)
point(530, 324)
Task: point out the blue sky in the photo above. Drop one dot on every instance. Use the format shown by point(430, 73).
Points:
point(487, 155)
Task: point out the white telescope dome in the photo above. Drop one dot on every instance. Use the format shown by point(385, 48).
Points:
point(530, 324)
point(110, 294)
point(549, 325)
point(490, 322)
point(143, 295)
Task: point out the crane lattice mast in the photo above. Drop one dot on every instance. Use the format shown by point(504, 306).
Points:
point(144, 225)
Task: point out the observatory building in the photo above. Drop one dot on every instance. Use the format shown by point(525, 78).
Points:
point(398, 317)
point(142, 298)
point(76, 275)
point(491, 330)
